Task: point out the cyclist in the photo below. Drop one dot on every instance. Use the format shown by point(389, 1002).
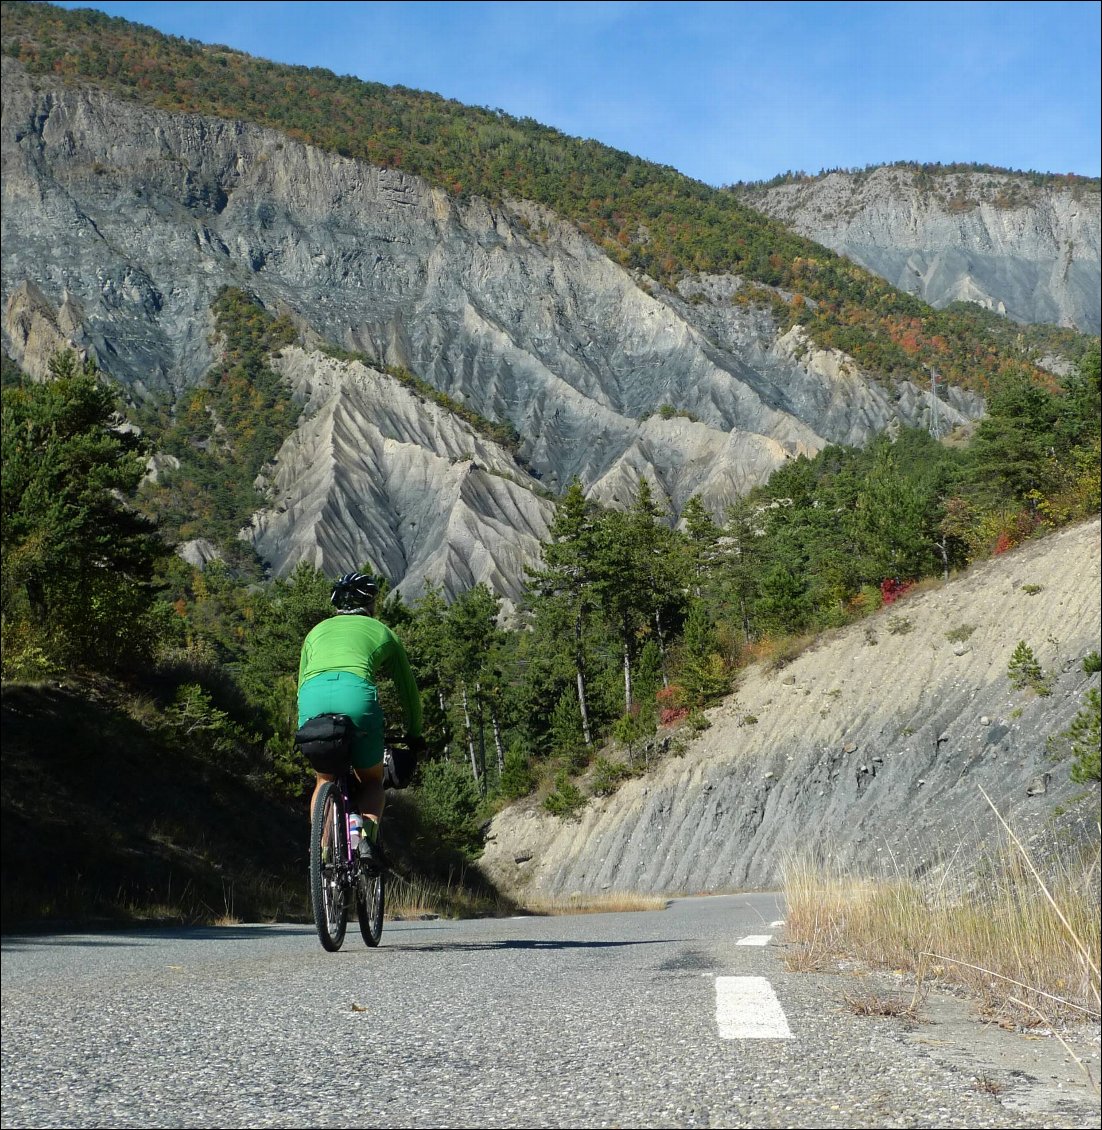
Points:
point(342, 658)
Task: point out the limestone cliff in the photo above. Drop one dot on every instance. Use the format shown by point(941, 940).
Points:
point(1025, 250)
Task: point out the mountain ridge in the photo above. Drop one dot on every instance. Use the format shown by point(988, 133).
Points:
point(127, 210)
point(994, 238)
point(544, 333)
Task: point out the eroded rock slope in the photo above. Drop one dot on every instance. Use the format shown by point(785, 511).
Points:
point(121, 223)
point(870, 750)
point(1025, 250)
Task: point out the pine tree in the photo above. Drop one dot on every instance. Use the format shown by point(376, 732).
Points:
point(78, 558)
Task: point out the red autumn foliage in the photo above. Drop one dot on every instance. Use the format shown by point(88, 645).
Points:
point(669, 711)
point(891, 589)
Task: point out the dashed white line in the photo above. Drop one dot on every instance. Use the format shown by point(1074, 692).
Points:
point(748, 1009)
point(755, 940)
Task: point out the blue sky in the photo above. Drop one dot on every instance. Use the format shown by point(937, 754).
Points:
point(721, 91)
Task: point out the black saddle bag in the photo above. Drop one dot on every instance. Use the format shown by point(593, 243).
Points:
point(326, 742)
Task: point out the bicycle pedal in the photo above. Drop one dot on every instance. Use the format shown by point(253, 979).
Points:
point(371, 856)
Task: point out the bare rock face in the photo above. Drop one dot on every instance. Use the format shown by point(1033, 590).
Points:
point(873, 751)
point(1024, 250)
point(38, 330)
point(121, 224)
point(376, 475)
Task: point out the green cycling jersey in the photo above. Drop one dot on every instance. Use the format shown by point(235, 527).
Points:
point(365, 647)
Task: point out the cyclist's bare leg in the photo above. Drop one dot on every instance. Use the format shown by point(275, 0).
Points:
point(371, 796)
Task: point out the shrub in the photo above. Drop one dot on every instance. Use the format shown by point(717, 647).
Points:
point(1085, 735)
point(566, 799)
point(892, 589)
point(517, 778)
point(25, 654)
point(447, 803)
point(1024, 670)
point(194, 724)
point(1092, 664)
point(670, 705)
point(607, 776)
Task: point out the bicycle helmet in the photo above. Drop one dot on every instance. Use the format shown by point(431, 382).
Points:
point(355, 592)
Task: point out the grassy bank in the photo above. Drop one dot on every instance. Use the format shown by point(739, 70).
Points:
point(1020, 936)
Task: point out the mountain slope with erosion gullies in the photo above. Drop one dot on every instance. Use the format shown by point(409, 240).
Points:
point(1029, 251)
point(375, 473)
point(121, 224)
point(869, 750)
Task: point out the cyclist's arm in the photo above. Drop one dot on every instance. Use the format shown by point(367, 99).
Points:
point(399, 670)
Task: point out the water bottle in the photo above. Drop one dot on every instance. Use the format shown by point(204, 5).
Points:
point(355, 829)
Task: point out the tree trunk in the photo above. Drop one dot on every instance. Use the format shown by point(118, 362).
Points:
point(444, 715)
point(481, 733)
point(579, 667)
point(498, 746)
point(943, 552)
point(627, 676)
point(583, 709)
point(661, 646)
point(470, 737)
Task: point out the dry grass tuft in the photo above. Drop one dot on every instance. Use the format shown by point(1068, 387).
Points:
point(1021, 945)
point(596, 904)
point(420, 898)
point(988, 1085)
point(876, 1004)
point(417, 897)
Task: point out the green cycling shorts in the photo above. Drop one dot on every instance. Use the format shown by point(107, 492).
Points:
point(341, 692)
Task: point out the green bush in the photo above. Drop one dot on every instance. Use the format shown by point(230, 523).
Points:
point(194, 724)
point(698, 721)
point(1024, 670)
point(566, 799)
point(517, 778)
point(607, 776)
point(448, 801)
point(1085, 735)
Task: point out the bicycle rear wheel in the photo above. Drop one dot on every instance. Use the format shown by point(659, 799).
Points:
point(370, 897)
point(328, 866)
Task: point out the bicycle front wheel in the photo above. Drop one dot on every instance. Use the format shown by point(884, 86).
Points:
point(370, 897)
point(328, 866)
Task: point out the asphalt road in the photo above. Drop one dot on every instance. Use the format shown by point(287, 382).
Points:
point(629, 1020)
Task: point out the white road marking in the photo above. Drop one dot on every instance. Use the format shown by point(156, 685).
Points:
point(755, 940)
point(779, 922)
point(748, 1009)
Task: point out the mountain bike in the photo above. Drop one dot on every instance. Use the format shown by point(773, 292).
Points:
point(337, 873)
